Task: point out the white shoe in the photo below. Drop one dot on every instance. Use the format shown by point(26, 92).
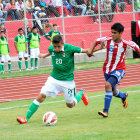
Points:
point(95, 22)
point(20, 70)
point(32, 68)
point(27, 69)
point(36, 68)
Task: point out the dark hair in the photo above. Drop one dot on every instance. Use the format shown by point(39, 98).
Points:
point(20, 29)
point(57, 39)
point(117, 27)
point(34, 28)
point(54, 25)
point(1, 31)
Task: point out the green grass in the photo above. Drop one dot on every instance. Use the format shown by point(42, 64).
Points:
point(78, 66)
point(79, 123)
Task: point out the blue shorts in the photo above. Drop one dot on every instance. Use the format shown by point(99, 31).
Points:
point(117, 74)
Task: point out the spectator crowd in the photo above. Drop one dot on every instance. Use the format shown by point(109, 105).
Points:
point(53, 8)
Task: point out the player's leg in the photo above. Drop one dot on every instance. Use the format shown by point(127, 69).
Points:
point(32, 109)
point(47, 90)
point(36, 57)
point(117, 93)
point(32, 57)
point(111, 82)
point(20, 64)
point(9, 63)
point(2, 67)
point(81, 95)
point(26, 60)
point(2, 63)
point(34, 106)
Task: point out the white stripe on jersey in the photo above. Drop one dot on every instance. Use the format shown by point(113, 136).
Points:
point(119, 53)
point(109, 57)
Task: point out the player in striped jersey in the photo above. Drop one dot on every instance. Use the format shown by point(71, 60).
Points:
point(114, 65)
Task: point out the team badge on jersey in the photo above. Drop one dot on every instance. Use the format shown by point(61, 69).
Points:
point(53, 54)
point(63, 54)
point(111, 47)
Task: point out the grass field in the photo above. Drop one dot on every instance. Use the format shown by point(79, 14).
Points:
point(79, 123)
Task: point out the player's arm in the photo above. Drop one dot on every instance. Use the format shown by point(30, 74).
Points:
point(26, 44)
point(47, 36)
point(44, 55)
point(84, 51)
point(15, 43)
point(134, 46)
point(93, 47)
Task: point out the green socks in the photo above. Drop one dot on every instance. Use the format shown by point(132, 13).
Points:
point(78, 96)
point(36, 62)
point(26, 64)
point(32, 61)
point(32, 109)
point(2, 67)
point(9, 66)
point(19, 64)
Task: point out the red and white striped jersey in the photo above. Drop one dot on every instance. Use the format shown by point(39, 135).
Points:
point(115, 59)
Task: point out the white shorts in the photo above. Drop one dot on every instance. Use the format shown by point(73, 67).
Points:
point(52, 87)
point(34, 52)
point(5, 58)
point(22, 54)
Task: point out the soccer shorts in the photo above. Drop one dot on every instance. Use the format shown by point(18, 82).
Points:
point(5, 58)
point(22, 54)
point(34, 52)
point(52, 87)
point(118, 74)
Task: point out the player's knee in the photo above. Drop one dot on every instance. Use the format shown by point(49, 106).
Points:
point(26, 58)
point(41, 98)
point(70, 105)
point(108, 86)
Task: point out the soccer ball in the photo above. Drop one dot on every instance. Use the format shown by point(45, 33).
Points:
point(49, 118)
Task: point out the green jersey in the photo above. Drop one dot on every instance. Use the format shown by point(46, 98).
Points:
point(21, 42)
point(4, 48)
point(34, 40)
point(52, 33)
point(63, 62)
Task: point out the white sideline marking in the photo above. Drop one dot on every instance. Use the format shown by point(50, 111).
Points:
point(6, 108)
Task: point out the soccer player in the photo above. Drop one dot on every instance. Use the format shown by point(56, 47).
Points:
point(114, 66)
point(21, 47)
point(34, 39)
point(61, 78)
point(52, 33)
point(4, 52)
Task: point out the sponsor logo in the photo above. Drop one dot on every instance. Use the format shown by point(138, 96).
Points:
point(53, 54)
point(63, 54)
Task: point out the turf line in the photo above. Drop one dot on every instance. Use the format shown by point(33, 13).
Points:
point(51, 102)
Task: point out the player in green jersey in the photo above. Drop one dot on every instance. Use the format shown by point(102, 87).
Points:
point(21, 47)
point(61, 78)
point(52, 33)
point(34, 39)
point(4, 52)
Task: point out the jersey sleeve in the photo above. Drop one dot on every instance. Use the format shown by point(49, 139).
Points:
point(74, 49)
point(16, 39)
point(50, 48)
point(104, 39)
point(133, 45)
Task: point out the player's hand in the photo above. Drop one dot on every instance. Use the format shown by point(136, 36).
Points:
point(41, 55)
point(89, 54)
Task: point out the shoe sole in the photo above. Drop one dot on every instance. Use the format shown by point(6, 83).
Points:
point(126, 102)
point(101, 114)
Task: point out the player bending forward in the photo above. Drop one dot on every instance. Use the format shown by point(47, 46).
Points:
point(114, 66)
point(61, 78)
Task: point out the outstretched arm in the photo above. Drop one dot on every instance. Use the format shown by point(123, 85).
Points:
point(44, 55)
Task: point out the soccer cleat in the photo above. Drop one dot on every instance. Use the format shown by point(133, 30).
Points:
point(124, 101)
point(20, 70)
point(22, 120)
point(85, 97)
point(9, 71)
point(102, 113)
